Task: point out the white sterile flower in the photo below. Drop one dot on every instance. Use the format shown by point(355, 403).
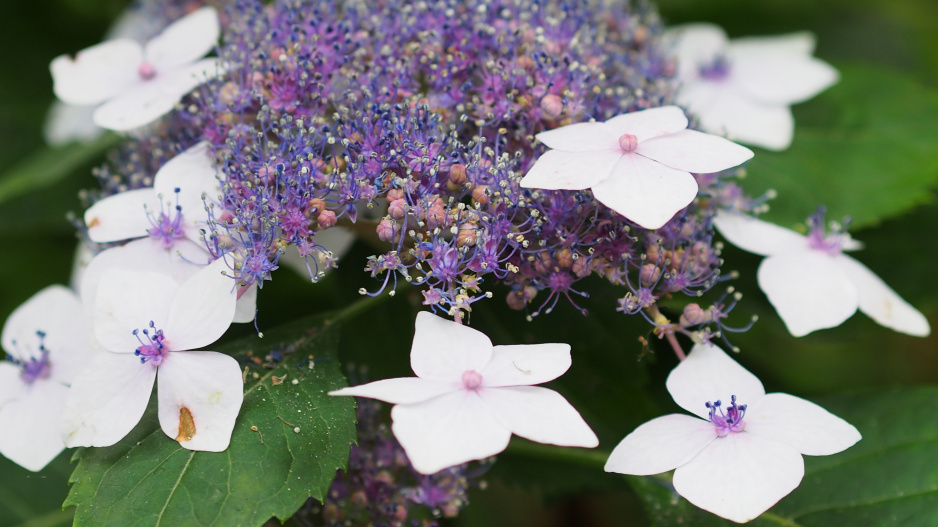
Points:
point(469, 397)
point(812, 283)
point(743, 88)
point(637, 164)
point(150, 322)
point(744, 453)
point(140, 84)
point(47, 346)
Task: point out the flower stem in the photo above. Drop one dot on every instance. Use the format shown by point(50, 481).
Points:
point(675, 345)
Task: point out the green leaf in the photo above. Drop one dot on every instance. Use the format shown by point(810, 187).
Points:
point(887, 479)
point(34, 498)
point(864, 149)
point(48, 166)
point(302, 437)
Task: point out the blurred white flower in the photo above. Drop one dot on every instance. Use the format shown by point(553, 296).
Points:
point(737, 459)
point(149, 322)
point(139, 84)
point(743, 88)
point(47, 346)
point(469, 397)
point(812, 283)
point(637, 164)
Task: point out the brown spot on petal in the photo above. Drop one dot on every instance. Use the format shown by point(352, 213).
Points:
point(94, 222)
point(186, 426)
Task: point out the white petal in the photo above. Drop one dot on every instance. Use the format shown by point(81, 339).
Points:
point(660, 445)
point(524, 365)
point(200, 394)
point(580, 137)
point(83, 257)
point(740, 476)
point(185, 40)
point(151, 100)
point(97, 73)
point(246, 307)
point(695, 45)
point(128, 300)
point(757, 236)
point(880, 302)
point(180, 262)
point(107, 400)
point(695, 151)
point(708, 374)
point(648, 124)
point(31, 435)
point(538, 414)
point(801, 424)
point(404, 390)
point(202, 310)
point(444, 349)
point(809, 290)
point(724, 110)
point(447, 430)
point(57, 312)
point(68, 122)
point(122, 216)
point(558, 170)
point(781, 78)
point(11, 384)
point(193, 172)
point(646, 192)
point(800, 43)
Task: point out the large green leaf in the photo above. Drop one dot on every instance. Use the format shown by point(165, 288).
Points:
point(864, 149)
point(890, 478)
point(302, 437)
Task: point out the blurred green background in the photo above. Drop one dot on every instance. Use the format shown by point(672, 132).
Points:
point(888, 49)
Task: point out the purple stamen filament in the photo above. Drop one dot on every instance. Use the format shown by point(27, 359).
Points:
point(730, 421)
point(716, 70)
point(152, 349)
point(166, 227)
point(34, 368)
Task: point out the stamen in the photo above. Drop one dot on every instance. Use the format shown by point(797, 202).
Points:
point(33, 368)
point(166, 227)
point(719, 69)
point(152, 350)
point(730, 421)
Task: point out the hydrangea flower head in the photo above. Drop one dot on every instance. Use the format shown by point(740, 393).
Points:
point(47, 346)
point(742, 452)
point(469, 397)
point(812, 283)
point(637, 164)
point(140, 84)
point(743, 88)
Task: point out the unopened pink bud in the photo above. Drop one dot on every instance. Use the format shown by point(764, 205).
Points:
point(326, 219)
point(628, 142)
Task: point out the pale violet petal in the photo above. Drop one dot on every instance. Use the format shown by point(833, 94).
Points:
point(695, 45)
point(660, 445)
point(740, 476)
point(128, 301)
point(538, 414)
point(31, 435)
point(708, 374)
point(122, 216)
point(57, 312)
point(97, 73)
point(801, 424)
point(200, 394)
point(580, 137)
point(808, 289)
point(11, 384)
point(725, 111)
point(185, 40)
point(194, 173)
point(246, 307)
point(69, 122)
point(448, 430)
point(694, 151)
point(799, 43)
point(107, 400)
point(880, 302)
point(404, 390)
point(648, 124)
point(757, 236)
point(646, 192)
point(444, 349)
point(524, 365)
point(781, 78)
point(203, 308)
point(558, 170)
